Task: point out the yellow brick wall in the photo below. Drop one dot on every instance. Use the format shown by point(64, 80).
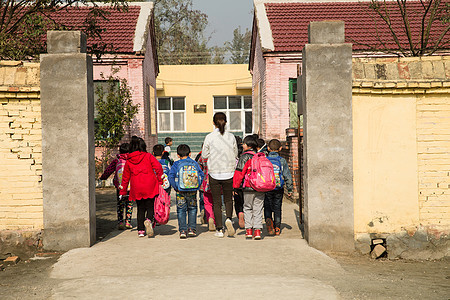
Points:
point(410, 183)
point(433, 145)
point(21, 205)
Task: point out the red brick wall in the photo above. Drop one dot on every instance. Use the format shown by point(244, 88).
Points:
point(292, 153)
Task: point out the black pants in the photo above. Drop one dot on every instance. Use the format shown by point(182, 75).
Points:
point(217, 188)
point(145, 210)
point(272, 206)
point(238, 201)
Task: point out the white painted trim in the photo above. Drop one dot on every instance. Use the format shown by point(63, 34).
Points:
point(141, 25)
point(263, 25)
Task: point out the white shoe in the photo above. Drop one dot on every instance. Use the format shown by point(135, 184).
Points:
point(230, 228)
point(148, 228)
point(219, 233)
point(211, 224)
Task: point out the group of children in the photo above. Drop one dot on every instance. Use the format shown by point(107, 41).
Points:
point(134, 168)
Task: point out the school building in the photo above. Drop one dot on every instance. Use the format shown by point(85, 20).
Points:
point(189, 95)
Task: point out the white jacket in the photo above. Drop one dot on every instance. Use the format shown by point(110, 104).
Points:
point(221, 152)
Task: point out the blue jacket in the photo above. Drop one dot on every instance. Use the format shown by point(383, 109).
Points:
point(176, 167)
point(287, 177)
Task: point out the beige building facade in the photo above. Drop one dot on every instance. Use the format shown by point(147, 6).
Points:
point(189, 95)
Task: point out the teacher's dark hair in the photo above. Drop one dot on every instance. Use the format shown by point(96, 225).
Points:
point(220, 120)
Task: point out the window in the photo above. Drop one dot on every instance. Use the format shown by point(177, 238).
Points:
point(238, 110)
point(171, 114)
point(293, 90)
point(103, 86)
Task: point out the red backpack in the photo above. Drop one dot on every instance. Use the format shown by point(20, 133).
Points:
point(162, 206)
point(261, 177)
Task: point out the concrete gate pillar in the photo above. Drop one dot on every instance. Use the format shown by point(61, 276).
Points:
point(328, 137)
point(68, 165)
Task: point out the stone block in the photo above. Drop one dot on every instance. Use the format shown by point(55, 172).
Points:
point(369, 71)
point(392, 71)
point(377, 251)
point(327, 146)
point(447, 68)
point(32, 76)
point(438, 69)
point(377, 241)
point(20, 77)
point(326, 32)
point(358, 70)
point(11, 260)
point(362, 243)
point(66, 42)
point(380, 71)
point(9, 76)
point(415, 69)
point(67, 102)
point(427, 70)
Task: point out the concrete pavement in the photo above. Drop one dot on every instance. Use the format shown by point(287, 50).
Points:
point(205, 267)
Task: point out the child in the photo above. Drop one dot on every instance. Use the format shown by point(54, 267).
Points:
point(207, 196)
point(273, 199)
point(238, 195)
point(186, 177)
point(253, 200)
point(201, 202)
point(168, 141)
point(166, 154)
point(165, 164)
point(144, 173)
point(116, 167)
point(262, 147)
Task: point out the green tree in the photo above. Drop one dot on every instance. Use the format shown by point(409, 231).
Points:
point(115, 112)
point(239, 47)
point(180, 33)
point(420, 21)
point(23, 22)
point(218, 55)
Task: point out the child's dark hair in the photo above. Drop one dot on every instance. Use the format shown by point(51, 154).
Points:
point(220, 120)
point(137, 144)
point(158, 150)
point(274, 145)
point(239, 145)
point(260, 143)
point(124, 148)
point(168, 140)
point(250, 141)
point(183, 150)
point(255, 136)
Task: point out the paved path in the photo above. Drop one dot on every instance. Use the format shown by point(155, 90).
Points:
point(123, 266)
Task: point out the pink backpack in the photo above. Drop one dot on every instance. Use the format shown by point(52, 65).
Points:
point(261, 177)
point(162, 207)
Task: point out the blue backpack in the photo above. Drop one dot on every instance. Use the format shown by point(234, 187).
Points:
point(188, 177)
point(278, 170)
point(165, 166)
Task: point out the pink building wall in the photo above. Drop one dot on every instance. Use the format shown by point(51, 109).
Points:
point(274, 74)
point(138, 71)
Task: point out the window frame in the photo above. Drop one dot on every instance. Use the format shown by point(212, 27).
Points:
point(293, 96)
point(171, 112)
point(242, 110)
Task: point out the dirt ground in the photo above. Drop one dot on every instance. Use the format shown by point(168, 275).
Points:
point(371, 279)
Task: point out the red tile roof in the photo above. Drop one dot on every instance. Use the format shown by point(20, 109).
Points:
point(120, 27)
point(289, 23)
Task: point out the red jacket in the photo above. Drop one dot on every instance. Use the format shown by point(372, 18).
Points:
point(144, 173)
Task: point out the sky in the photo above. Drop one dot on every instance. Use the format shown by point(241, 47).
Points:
point(224, 16)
